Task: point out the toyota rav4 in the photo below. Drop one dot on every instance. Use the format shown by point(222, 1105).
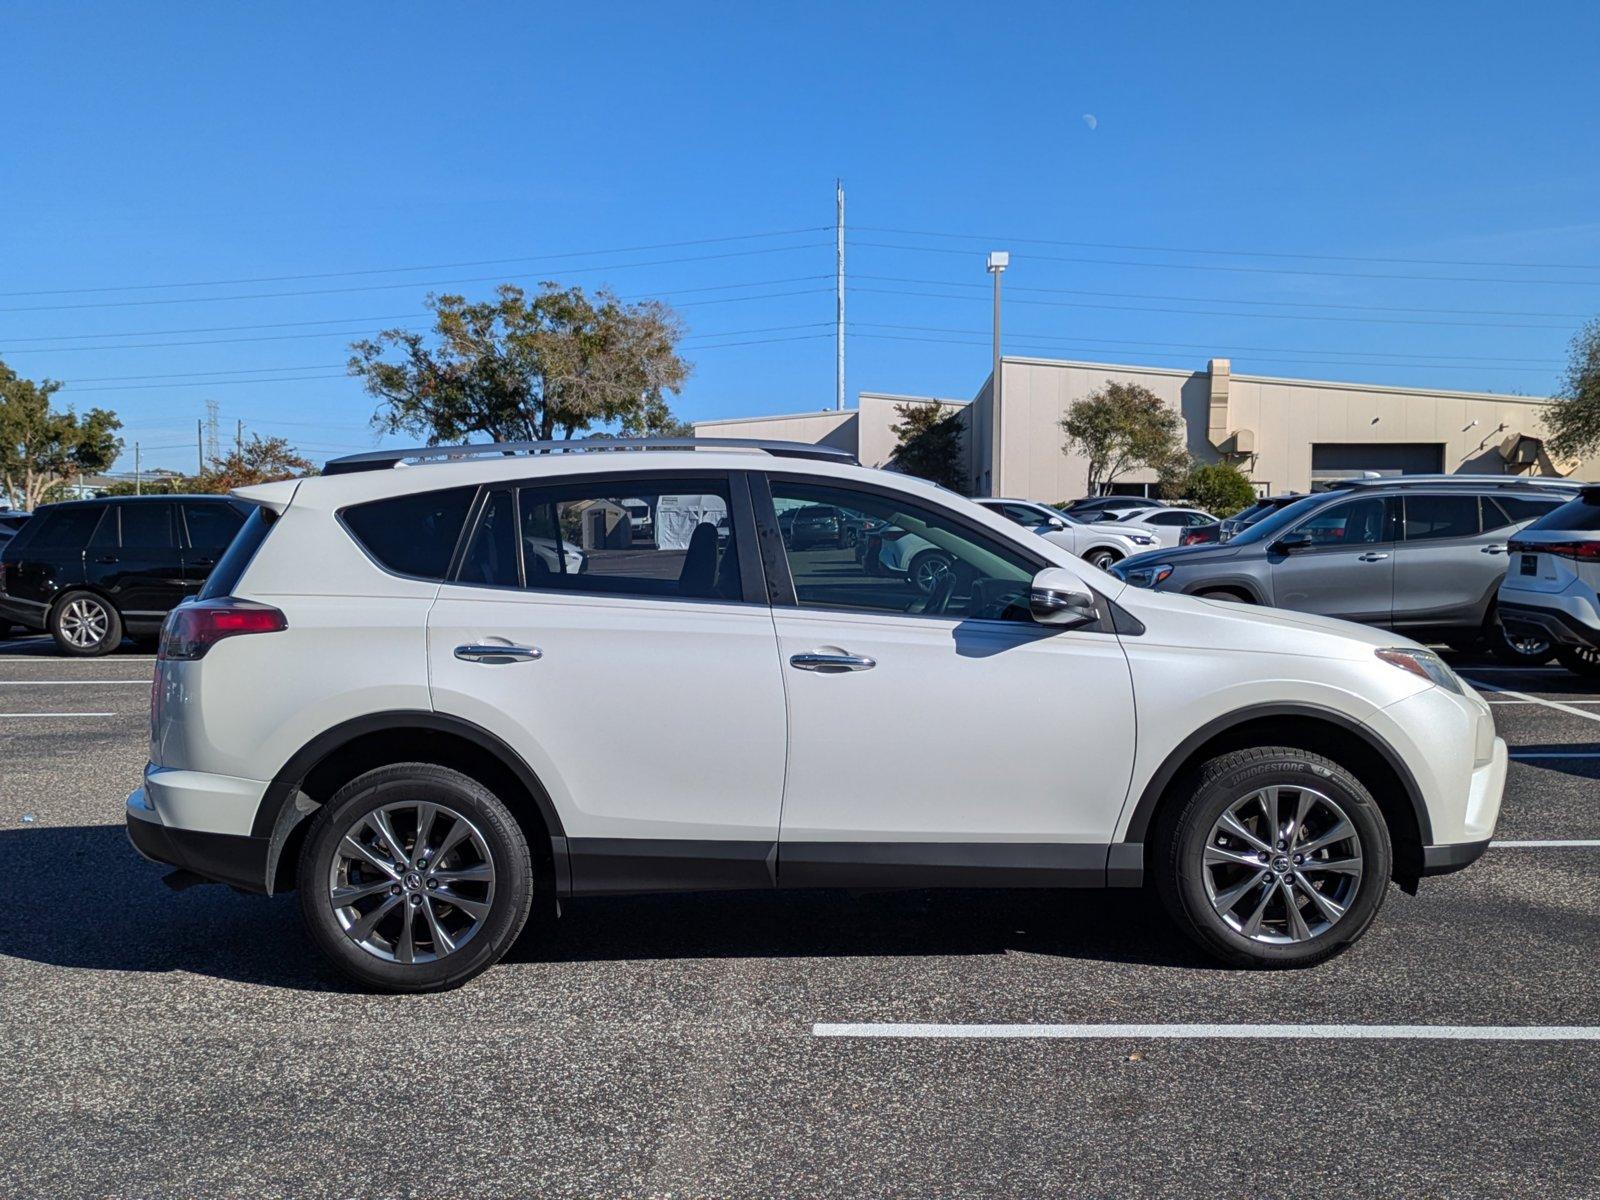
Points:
point(395, 697)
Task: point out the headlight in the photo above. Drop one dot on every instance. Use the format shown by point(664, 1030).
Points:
point(1139, 539)
point(1146, 576)
point(1423, 663)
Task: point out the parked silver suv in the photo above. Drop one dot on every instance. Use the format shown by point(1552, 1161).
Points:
point(1422, 553)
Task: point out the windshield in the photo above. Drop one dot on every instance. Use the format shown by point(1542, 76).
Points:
point(1269, 527)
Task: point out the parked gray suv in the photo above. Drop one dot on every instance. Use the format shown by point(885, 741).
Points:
point(1421, 554)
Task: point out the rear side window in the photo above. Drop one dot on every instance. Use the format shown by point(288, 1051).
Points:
point(211, 526)
point(64, 529)
point(225, 576)
point(1582, 514)
point(412, 535)
point(148, 527)
point(1432, 517)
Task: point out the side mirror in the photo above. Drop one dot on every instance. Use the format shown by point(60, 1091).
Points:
point(1056, 598)
point(1290, 542)
point(1055, 523)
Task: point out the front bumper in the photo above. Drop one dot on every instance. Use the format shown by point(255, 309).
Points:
point(1478, 821)
point(239, 861)
point(23, 612)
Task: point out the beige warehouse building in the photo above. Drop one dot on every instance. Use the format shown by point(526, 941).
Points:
point(1286, 434)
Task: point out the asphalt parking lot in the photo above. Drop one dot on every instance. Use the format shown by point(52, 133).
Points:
point(163, 1043)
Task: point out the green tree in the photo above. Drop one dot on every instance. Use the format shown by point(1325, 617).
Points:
point(521, 368)
point(1120, 428)
point(929, 444)
point(1220, 488)
point(260, 460)
point(1573, 419)
point(41, 449)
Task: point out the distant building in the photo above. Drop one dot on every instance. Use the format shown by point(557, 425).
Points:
point(1287, 434)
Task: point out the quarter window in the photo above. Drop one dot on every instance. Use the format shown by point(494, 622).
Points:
point(415, 534)
point(916, 561)
point(1429, 518)
point(1501, 511)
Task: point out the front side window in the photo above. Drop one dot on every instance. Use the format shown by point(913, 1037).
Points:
point(917, 561)
point(670, 538)
point(1429, 518)
point(1351, 523)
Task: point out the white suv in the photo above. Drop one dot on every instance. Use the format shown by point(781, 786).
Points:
point(1552, 583)
point(388, 697)
point(1103, 544)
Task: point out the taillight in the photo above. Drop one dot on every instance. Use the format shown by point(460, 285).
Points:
point(192, 629)
point(1582, 551)
point(1189, 538)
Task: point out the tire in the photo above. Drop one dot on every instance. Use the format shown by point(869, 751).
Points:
point(1523, 652)
point(1580, 660)
point(927, 569)
point(85, 625)
point(1224, 594)
point(491, 838)
point(1237, 782)
point(1103, 558)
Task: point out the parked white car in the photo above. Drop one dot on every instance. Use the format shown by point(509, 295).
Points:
point(1100, 543)
point(1167, 524)
point(427, 757)
point(1551, 588)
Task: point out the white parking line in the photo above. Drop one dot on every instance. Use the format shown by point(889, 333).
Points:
point(1497, 844)
point(1566, 708)
point(1454, 1033)
point(74, 682)
point(61, 714)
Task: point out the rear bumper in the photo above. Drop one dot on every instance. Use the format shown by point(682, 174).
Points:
point(1557, 624)
point(226, 858)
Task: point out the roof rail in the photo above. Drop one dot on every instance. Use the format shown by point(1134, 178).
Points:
point(1463, 480)
point(380, 460)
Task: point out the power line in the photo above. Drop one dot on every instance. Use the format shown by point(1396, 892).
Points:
point(449, 266)
point(1231, 315)
point(1423, 262)
point(1470, 312)
point(380, 287)
point(1237, 270)
point(1212, 346)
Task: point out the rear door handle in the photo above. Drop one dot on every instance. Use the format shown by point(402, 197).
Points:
point(1494, 548)
point(1373, 557)
point(832, 662)
point(498, 655)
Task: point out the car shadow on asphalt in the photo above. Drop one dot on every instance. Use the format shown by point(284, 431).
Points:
point(82, 898)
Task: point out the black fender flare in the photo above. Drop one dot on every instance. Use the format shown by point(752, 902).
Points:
point(276, 816)
point(1144, 810)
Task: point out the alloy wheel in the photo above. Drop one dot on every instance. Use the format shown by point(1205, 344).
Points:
point(929, 571)
point(84, 623)
point(412, 882)
point(1283, 864)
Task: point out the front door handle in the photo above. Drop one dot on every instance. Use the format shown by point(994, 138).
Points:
point(1372, 557)
point(497, 655)
point(1494, 548)
point(832, 662)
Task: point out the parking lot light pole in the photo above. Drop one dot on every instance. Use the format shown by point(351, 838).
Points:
point(999, 260)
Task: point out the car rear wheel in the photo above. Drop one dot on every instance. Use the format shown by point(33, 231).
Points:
point(414, 878)
point(1580, 660)
point(1273, 857)
point(85, 625)
point(1516, 650)
point(1103, 558)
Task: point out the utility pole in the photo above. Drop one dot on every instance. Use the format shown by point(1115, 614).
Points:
point(238, 437)
point(137, 476)
point(200, 446)
point(999, 260)
point(838, 200)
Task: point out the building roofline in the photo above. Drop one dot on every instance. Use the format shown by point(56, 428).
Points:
point(905, 399)
point(1330, 384)
point(817, 412)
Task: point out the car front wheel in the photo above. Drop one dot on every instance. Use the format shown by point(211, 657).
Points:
point(1580, 660)
point(1103, 558)
point(1273, 857)
point(414, 878)
point(85, 625)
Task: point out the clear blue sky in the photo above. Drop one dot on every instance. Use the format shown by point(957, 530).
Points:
point(159, 143)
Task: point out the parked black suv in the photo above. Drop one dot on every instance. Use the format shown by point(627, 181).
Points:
point(89, 571)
